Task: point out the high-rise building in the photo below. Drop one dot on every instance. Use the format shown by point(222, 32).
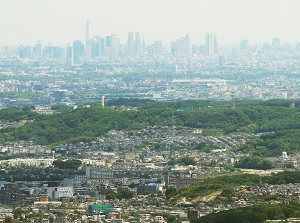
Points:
point(181, 46)
point(10, 194)
point(94, 172)
point(221, 61)
point(87, 31)
point(244, 45)
point(135, 46)
point(211, 44)
point(143, 45)
point(54, 52)
point(216, 46)
point(155, 48)
point(94, 47)
point(266, 47)
point(69, 55)
point(25, 52)
point(78, 51)
point(130, 45)
point(112, 46)
point(37, 50)
point(276, 43)
point(88, 50)
point(99, 46)
point(138, 44)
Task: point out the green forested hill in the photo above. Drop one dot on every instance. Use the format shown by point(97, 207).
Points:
point(227, 183)
point(88, 123)
point(273, 144)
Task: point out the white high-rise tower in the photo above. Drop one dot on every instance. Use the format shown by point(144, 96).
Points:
point(211, 45)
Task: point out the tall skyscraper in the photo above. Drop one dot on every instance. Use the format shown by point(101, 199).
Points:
point(144, 45)
point(211, 44)
point(181, 46)
point(78, 50)
point(112, 45)
point(87, 31)
point(244, 45)
point(216, 46)
point(266, 47)
point(138, 44)
point(99, 47)
point(25, 51)
point(37, 50)
point(155, 48)
point(276, 43)
point(187, 44)
point(69, 56)
point(88, 50)
point(130, 45)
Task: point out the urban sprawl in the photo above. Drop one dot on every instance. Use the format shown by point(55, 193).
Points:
point(126, 176)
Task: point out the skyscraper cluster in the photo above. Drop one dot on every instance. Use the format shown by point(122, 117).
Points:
point(38, 52)
point(97, 47)
point(109, 47)
point(134, 45)
point(181, 46)
point(155, 49)
point(275, 46)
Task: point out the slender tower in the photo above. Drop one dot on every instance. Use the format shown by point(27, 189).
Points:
point(292, 105)
point(102, 101)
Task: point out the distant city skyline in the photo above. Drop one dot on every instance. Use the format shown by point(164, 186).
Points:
point(62, 22)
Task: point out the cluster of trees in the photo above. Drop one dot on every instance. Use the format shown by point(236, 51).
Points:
point(186, 160)
point(183, 161)
point(253, 214)
point(286, 177)
point(40, 173)
point(15, 114)
point(273, 144)
point(72, 164)
point(204, 147)
point(254, 162)
point(122, 194)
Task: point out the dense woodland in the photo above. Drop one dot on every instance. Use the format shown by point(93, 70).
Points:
point(254, 162)
point(253, 214)
point(85, 124)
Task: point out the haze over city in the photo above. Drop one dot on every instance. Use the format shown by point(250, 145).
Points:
point(60, 22)
point(148, 111)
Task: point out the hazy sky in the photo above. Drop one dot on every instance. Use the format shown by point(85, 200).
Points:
point(62, 21)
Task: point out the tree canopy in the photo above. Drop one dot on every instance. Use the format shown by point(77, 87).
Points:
point(87, 123)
